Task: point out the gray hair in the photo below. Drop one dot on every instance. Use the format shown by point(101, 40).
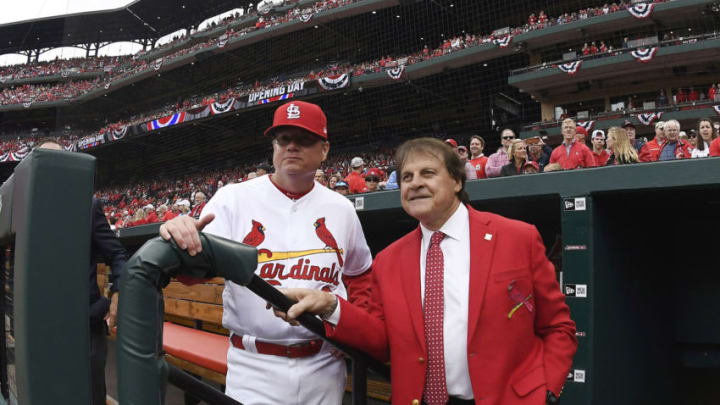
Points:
point(673, 122)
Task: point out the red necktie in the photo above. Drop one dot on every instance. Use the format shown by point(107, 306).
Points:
point(435, 385)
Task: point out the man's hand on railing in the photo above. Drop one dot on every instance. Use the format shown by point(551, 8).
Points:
point(316, 302)
point(185, 231)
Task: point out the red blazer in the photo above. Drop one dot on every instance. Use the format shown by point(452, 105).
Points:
point(512, 361)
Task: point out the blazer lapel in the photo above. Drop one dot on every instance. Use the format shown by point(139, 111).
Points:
point(411, 285)
point(482, 248)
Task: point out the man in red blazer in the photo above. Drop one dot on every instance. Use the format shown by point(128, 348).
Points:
point(496, 332)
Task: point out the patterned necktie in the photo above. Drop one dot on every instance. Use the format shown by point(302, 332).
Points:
point(435, 385)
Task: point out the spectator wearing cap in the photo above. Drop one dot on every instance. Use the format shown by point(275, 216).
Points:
point(372, 180)
point(581, 134)
point(706, 136)
point(341, 187)
point(673, 148)
point(629, 128)
point(600, 153)
point(167, 214)
point(150, 215)
point(517, 157)
point(200, 200)
point(462, 152)
point(571, 154)
point(538, 152)
point(477, 159)
point(531, 167)
point(651, 149)
point(497, 160)
point(355, 180)
point(184, 206)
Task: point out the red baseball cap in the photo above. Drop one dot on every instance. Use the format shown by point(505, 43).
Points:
point(374, 173)
point(451, 142)
point(580, 130)
point(531, 163)
point(300, 114)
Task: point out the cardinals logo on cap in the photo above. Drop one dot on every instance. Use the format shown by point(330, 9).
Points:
point(293, 112)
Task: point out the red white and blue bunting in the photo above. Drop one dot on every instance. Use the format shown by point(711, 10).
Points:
point(27, 104)
point(107, 85)
point(649, 118)
point(18, 156)
point(571, 67)
point(334, 82)
point(503, 42)
point(163, 122)
point(118, 134)
point(396, 73)
point(306, 17)
point(644, 55)
point(717, 109)
point(219, 108)
point(588, 125)
point(158, 63)
point(642, 10)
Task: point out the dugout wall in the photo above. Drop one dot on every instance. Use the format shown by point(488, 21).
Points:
point(634, 247)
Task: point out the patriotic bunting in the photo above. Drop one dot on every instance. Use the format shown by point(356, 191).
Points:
point(285, 96)
point(69, 147)
point(3, 79)
point(649, 118)
point(717, 109)
point(644, 55)
point(397, 72)
point(118, 134)
point(197, 113)
point(503, 42)
point(219, 108)
point(107, 85)
point(334, 82)
point(642, 10)
point(158, 63)
point(306, 17)
point(27, 104)
point(571, 67)
point(64, 73)
point(588, 125)
point(163, 122)
point(5, 157)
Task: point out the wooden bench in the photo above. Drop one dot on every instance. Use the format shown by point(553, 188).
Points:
point(194, 339)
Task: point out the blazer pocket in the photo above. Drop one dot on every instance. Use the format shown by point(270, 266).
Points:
point(510, 274)
point(530, 381)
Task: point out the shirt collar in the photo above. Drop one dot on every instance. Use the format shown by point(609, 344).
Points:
point(452, 228)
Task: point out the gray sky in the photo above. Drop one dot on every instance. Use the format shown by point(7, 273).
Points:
point(14, 10)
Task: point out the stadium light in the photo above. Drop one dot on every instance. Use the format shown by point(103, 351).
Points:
point(374, 12)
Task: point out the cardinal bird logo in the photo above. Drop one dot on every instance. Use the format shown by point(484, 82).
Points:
point(326, 237)
point(256, 235)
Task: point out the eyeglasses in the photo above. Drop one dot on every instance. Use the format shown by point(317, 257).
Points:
point(300, 140)
point(372, 179)
point(507, 138)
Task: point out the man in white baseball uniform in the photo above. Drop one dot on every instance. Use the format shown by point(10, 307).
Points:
point(307, 236)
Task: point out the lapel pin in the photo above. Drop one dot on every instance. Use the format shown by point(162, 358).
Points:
point(488, 236)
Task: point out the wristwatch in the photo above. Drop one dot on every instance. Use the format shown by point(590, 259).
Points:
point(550, 398)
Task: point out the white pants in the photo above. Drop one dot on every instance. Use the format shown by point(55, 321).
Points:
point(263, 379)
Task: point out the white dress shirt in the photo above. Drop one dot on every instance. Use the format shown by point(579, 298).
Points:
point(456, 261)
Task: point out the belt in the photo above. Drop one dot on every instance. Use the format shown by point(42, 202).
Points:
point(303, 349)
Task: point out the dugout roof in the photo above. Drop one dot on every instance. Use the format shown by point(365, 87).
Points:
point(139, 19)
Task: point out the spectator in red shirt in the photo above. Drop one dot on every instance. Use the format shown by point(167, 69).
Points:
point(711, 93)
point(600, 153)
point(680, 96)
point(581, 134)
point(477, 159)
point(571, 154)
point(372, 180)
point(355, 179)
point(593, 48)
point(651, 150)
point(673, 148)
point(150, 215)
point(715, 147)
point(693, 96)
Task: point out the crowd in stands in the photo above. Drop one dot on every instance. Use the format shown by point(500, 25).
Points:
point(159, 200)
point(58, 66)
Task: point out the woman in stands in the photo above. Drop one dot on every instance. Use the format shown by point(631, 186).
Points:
point(517, 155)
point(706, 134)
point(621, 150)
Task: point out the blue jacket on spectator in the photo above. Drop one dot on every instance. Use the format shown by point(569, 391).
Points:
point(392, 181)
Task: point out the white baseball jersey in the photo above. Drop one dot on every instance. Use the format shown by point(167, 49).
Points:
point(305, 243)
